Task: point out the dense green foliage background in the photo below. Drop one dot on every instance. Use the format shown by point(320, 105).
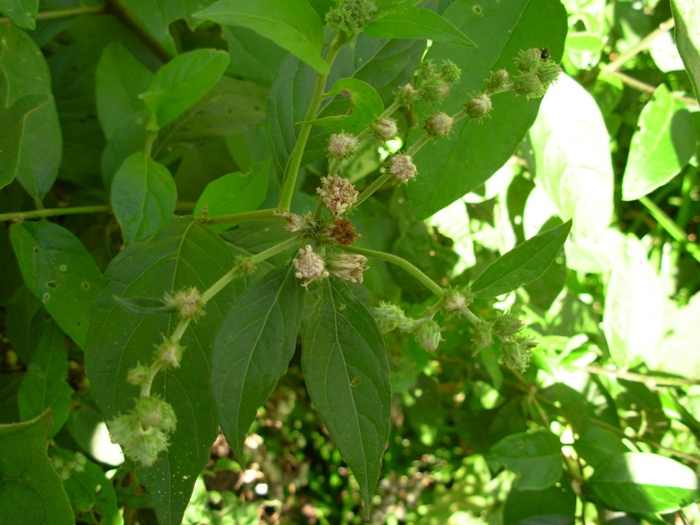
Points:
point(124, 123)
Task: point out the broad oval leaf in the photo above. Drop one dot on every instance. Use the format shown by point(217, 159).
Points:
point(234, 193)
point(534, 456)
point(31, 491)
point(253, 349)
point(407, 21)
point(184, 254)
point(22, 13)
point(342, 342)
point(41, 144)
point(644, 483)
point(143, 197)
point(366, 105)
point(44, 385)
point(661, 147)
point(686, 14)
point(291, 24)
point(59, 271)
point(597, 444)
point(523, 264)
point(179, 84)
point(451, 167)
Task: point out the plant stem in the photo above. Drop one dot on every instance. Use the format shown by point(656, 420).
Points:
point(237, 271)
point(369, 190)
point(294, 164)
point(648, 88)
point(234, 218)
point(671, 227)
point(76, 11)
point(53, 212)
point(643, 44)
point(649, 381)
point(402, 263)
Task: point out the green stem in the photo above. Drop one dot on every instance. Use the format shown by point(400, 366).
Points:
point(294, 164)
point(151, 137)
point(52, 212)
point(671, 227)
point(76, 11)
point(235, 218)
point(643, 44)
point(402, 263)
point(369, 190)
point(236, 271)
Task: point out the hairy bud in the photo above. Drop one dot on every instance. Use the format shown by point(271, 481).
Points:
point(455, 303)
point(384, 128)
point(450, 73)
point(517, 353)
point(530, 86)
point(187, 303)
point(401, 166)
point(482, 336)
point(406, 95)
point(507, 325)
point(140, 375)
point(528, 60)
point(338, 194)
point(298, 223)
point(434, 91)
point(548, 72)
point(351, 15)
point(341, 145)
point(169, 354)
point(389, 317)
point(428, 335)
point(496, 81)
point(439, 125)
point(479, 106)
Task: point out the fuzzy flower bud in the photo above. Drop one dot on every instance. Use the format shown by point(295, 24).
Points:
point(309, 265)
point(479, 106)
point(152, 411)
point(297, 223)
point(384, 128)
point(351, 15)
point(455, 303)
point(341, 145)
point(439, 125)
point(482, 336)
point(427, 334)
point(406, 95)
point(348, 266)
point(343, 232)
point(530, 86)
point(517, 352)
point(389, 317)
point(449, 72)
point(496, 81)
point(187, 303)
point(548, 72)
point(140, 375)
point(169, 354)
point(507, 325)
point(401, 166)
point(528, 61)
point(338, 194)
point(434, 91)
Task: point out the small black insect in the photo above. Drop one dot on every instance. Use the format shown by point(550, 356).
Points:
point(545, 53)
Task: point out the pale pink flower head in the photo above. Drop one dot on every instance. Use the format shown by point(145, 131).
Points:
point(310, 265)
point(338, 194)
point(348, 266)
point(401, 166)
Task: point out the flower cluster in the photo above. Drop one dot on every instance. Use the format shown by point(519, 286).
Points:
point(426, 330)
point(351, 15)
point(187, 303)
point(338, 194)
point(342, 145)
point(402, 167)
point(536, 74)
point(311, 266)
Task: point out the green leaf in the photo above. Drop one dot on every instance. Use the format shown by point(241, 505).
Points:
point(180, 83)
point(143, 197)
point(534, 457)
point(252, 56)
point(234, 193)
point(89, 490)
point(686, 14)
point(59, 271)
point(14, 117)
point(365, 106)
point(291, 24)
point(184, 254)
point(22, 13)
point(635, 304)
point(9, 390)
point(41, 142)
point(119, 79)
point(523, 264)
point(552, 506)
point(25, 322)
point(232, 106)
point(253, 350)
point(661, 147)
point(31, 491)
point(157, 16)
point(144, 305)
point(597, 444)
point(449, 168)
point(644, 483)
point(341, 342)
point(44, 385)
point(407, 21)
